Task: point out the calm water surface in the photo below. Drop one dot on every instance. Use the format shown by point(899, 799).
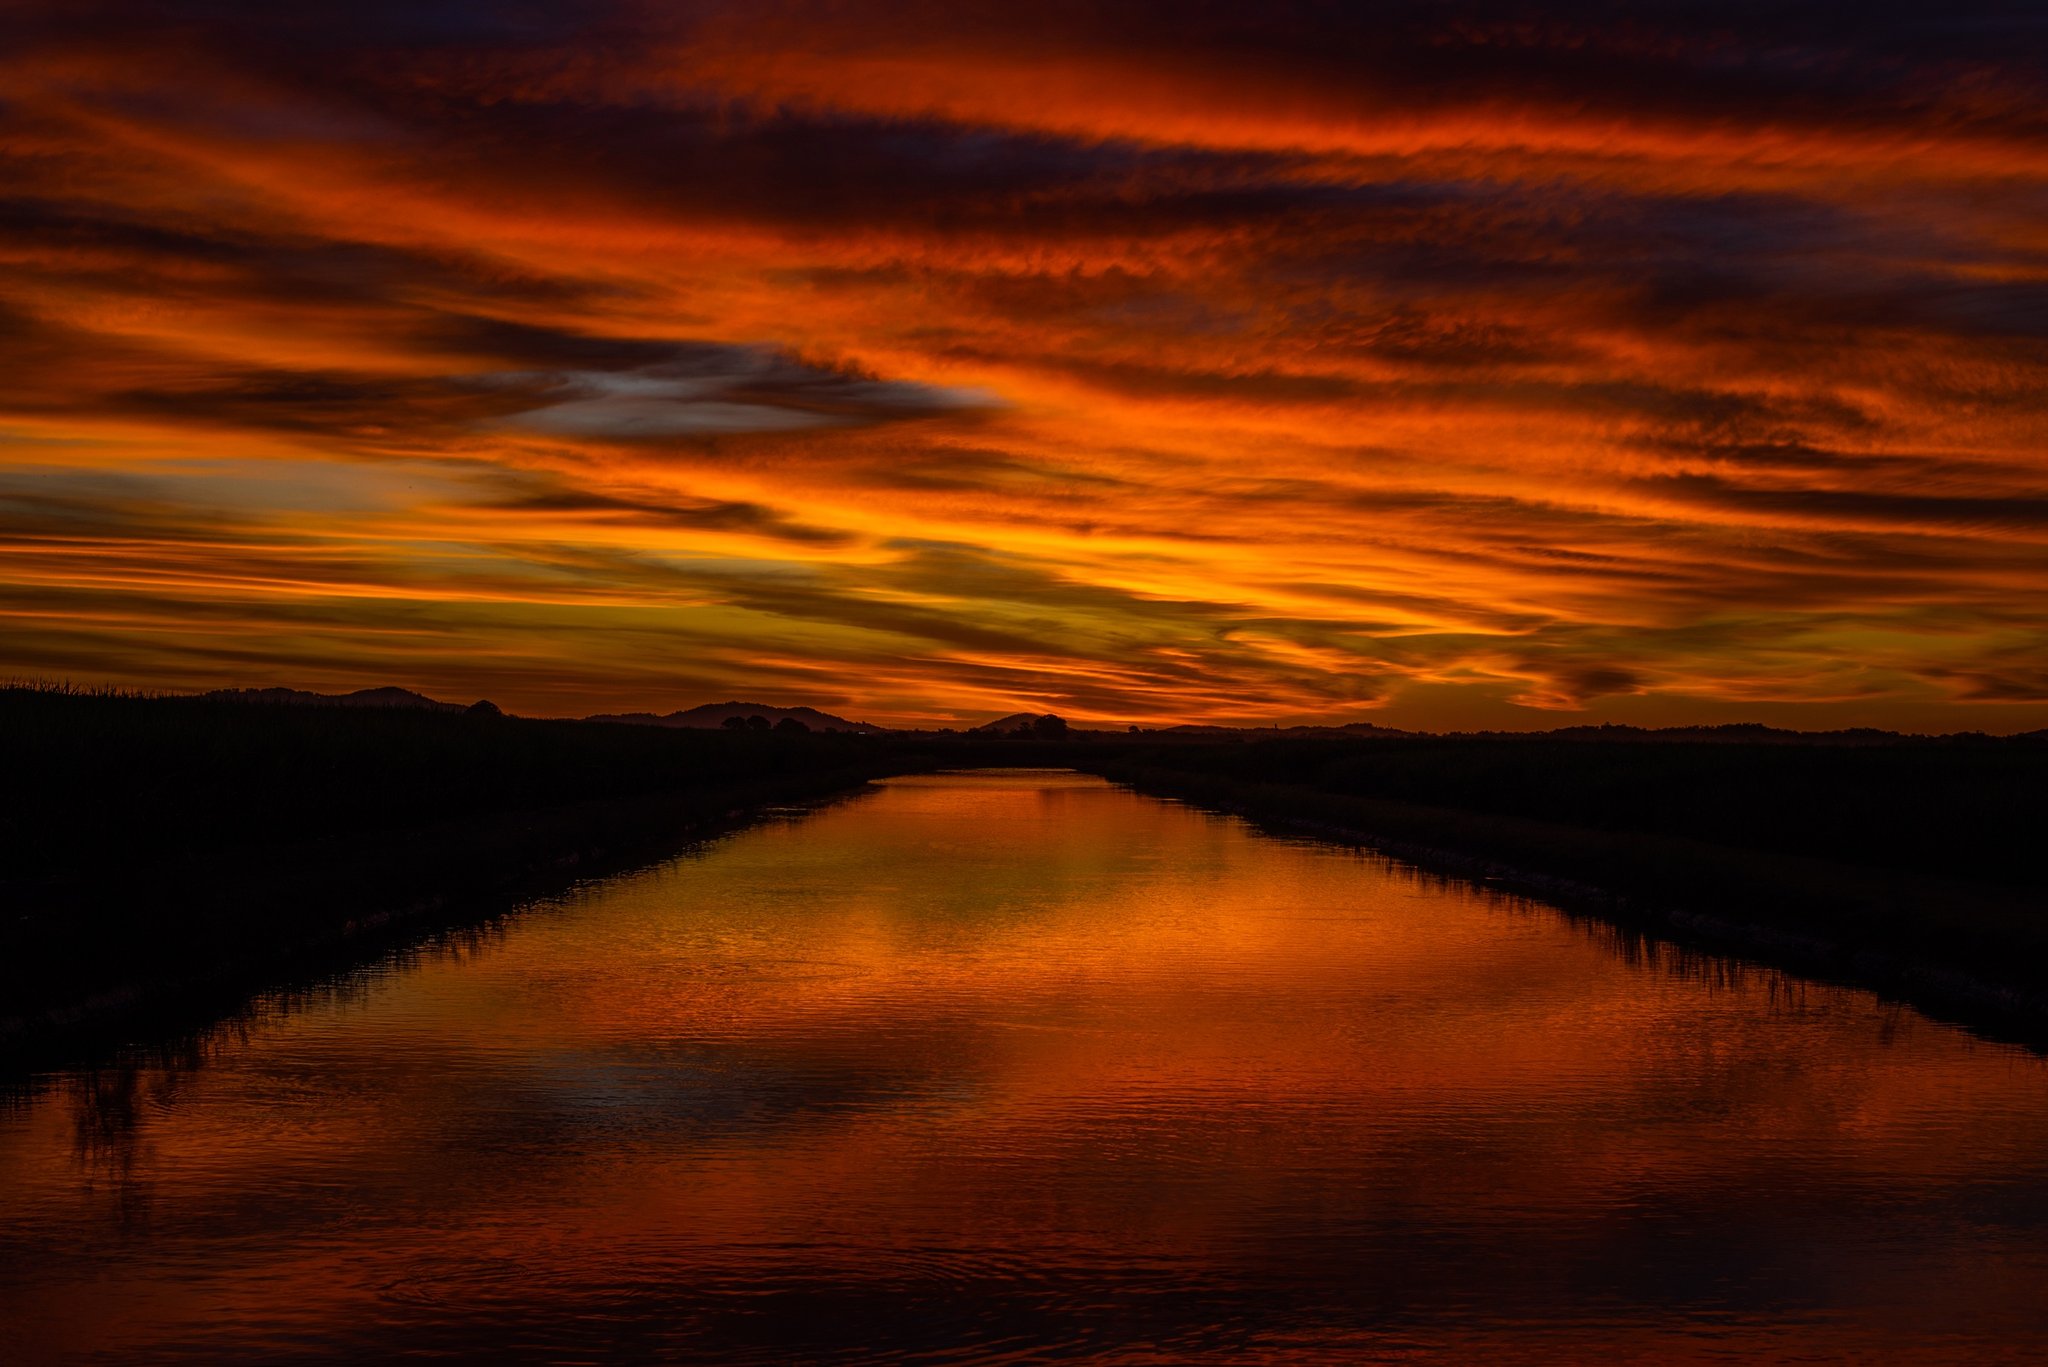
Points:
point(1014, 1066)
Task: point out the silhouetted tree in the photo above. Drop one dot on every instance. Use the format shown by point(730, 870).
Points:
point(734, 723)
point(1049, 727)
point(757, 722)
point(791, 726)
point(484, 707)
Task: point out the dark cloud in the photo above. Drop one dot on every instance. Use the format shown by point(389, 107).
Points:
point(2020, 684)
point(1932, 510)
point(711, 515)
point(706, 390)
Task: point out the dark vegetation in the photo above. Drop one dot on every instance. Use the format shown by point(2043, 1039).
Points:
point(158, 847)
point(1973, 807)
point(1914, 866)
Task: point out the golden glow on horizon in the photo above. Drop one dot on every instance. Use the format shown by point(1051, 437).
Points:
point(772, 356)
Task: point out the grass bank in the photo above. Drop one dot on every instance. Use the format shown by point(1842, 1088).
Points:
point(1966, 940)
point(164, 855)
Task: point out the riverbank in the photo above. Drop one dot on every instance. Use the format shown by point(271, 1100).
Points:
point(1964, 951)
point(166, 859)
point(81, 976)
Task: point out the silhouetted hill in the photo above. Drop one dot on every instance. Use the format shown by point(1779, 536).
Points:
point(1357, 730)
point(1015, 722)
point(1737, 733)
point(362, 697)
point(713, 716)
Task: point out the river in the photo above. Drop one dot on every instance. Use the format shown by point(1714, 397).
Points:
point(1017, 1066)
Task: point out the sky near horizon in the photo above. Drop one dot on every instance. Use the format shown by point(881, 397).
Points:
point(1435, 365)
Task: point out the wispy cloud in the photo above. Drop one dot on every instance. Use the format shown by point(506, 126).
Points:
point(712, 390)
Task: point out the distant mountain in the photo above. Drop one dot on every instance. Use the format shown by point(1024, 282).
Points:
point(362, 697)
point(712, 716)
point(1003, 726)
point(1028, 722)
point(1356, 730)
point(1733, 733)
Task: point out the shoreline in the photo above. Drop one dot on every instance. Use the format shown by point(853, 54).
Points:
point(1821, 945)
point(358, 899)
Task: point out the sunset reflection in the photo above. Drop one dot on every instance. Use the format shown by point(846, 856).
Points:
point(1023, 1063)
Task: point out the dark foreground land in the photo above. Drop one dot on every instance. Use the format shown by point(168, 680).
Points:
point(166, 856)
point(1909, 864)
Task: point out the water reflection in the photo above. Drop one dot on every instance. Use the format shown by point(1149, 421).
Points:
point(1019, 1065)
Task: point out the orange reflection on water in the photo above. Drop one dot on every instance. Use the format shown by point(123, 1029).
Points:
point(1015, 1064)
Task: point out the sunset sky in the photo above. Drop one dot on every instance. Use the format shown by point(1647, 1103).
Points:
point(1436, 365)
